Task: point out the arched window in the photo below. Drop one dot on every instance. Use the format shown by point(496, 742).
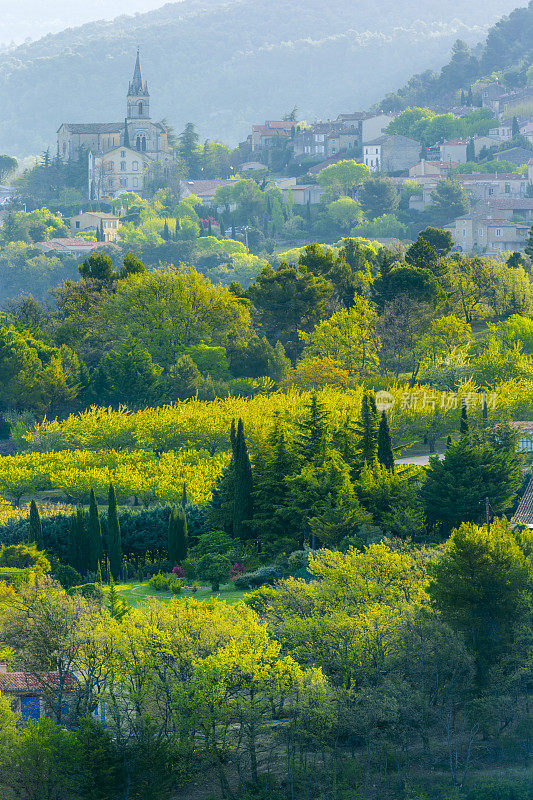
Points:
point(138, 143)
point(143, 143)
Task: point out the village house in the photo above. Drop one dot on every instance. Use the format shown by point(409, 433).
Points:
point(34, 694)
point(119, 170)
point(433, 169)
point(263, 136)
point(302, 194)
point(515, 155)
point(483, 185)
point(487, 235)
point(204, 190)
point(92, 221)
point(75, 246)
point(454, 150)
point(391, 153)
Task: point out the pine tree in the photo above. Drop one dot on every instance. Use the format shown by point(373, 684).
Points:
point(114, 544)
point(367, 428)
point(463, 428)
point(243, 486)
point(117, 606)
point(312, 430)
point(36, 526)
point(95, 534)
point(385, 454)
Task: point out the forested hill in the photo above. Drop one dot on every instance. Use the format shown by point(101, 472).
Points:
point(506, 55)
point(227, 63)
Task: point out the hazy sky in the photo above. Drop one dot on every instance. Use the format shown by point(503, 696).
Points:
point(36, 18)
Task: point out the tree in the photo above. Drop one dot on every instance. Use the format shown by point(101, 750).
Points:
point(312, 431)
point(214, 568)
point(463, 428)
point(243, 486)
point(378, 196)
point(515, 128)
point(345, 214)
point(348, 337)
point(114, 543)
point(36, 526)
point(423, 255)
point(95, 534)
point(441, 241)
point(385, 454)
point(131, 265)
point(116, 605)
point(343, 178)
point(288, 300)
point(367, 428)
point(188, 150)
point(449, 201)
point(480, 584)
point(456, 487)
point(177, 536)
point(8, 165)
point(98, 267)
point(131, 372)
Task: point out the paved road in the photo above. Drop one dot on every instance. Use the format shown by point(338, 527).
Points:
point(420, 461)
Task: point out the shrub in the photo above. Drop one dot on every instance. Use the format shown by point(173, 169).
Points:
point(15, 576)
point(160, 582)
point(178, 571)
point(176, 586)
point(91, 591)
point(262, 576)
point(214, 568)
point(236, 570)
point(66, 575)
point(188, 566)
point(22, 556)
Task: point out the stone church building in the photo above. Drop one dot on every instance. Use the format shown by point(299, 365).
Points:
point(118, 152)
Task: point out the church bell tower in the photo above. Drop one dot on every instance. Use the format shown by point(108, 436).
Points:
point(138, 113)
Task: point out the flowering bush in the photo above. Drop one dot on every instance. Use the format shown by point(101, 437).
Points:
point(178, 571)
point(236, 570)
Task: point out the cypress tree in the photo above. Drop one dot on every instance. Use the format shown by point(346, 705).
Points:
point(463, 428)
point(177, 230)
point(312, 430)
point(36, 526)
point(177, 536)
point(484, 410)
point(95, 534)
point(102, 234)
point(114, 544)
point(529, 244)
point(233, 231)
point(166, 232)
point(367, 428)
point(385, 454)
point(82, 541)
point(73, 543)
point(243, 485)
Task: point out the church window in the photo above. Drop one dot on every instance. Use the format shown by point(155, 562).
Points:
point(143, 143)
point(123, 166)
point(123, 154)
point(140, 109)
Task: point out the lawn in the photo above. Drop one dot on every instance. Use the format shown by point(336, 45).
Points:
point(137, 593)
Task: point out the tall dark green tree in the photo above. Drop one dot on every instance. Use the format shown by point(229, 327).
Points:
point(188, 150)
point(243, 485)
point(385, 454)
point(367, 429)
point(95, 534)
point(177, 538)
point(456, 487)
point(463, 427)
point(312, 431)
point(529, 244)
point(36, 526)
point(114, 543)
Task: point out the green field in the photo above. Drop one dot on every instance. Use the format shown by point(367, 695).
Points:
point(137, 593)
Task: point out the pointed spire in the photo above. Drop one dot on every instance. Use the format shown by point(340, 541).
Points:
point(138, 86)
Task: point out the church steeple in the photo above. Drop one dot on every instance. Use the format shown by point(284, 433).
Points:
point(138, 94)
point(138, 87)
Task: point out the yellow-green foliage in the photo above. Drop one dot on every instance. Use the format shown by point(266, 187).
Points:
point(133, 473)
point(200, 425)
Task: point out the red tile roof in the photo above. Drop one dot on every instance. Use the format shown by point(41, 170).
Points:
point(33, 682)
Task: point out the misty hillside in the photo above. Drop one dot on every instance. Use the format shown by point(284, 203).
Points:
point(506, 55)
point(226, 63)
